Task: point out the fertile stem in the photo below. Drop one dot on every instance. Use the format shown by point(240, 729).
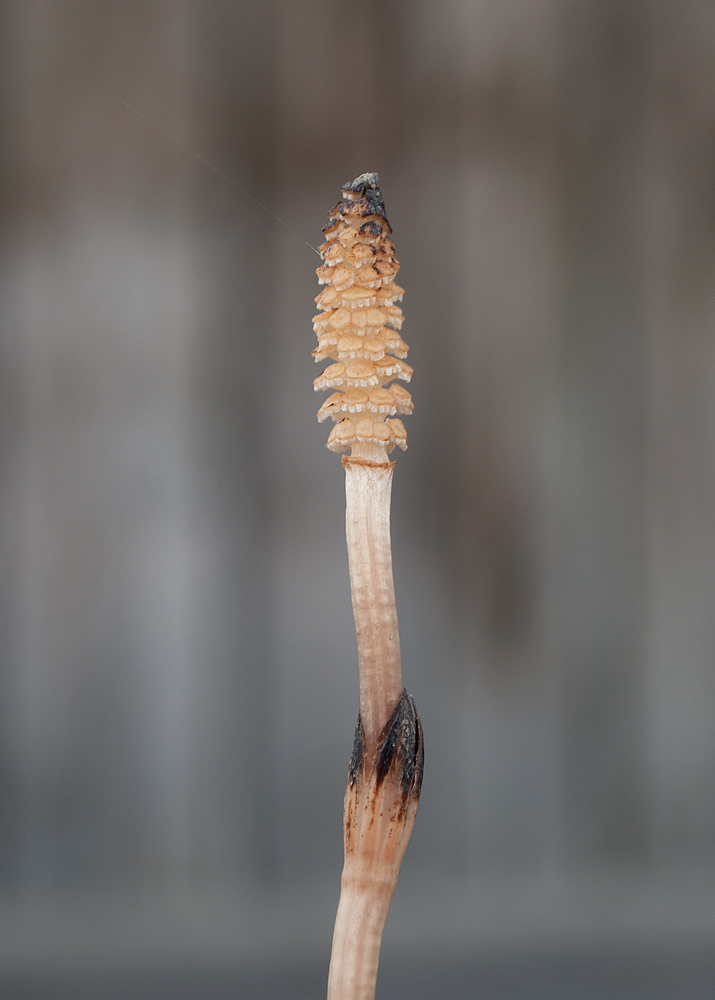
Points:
point(358, 330)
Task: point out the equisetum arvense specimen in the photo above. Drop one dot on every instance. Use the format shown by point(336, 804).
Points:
point(358, 330)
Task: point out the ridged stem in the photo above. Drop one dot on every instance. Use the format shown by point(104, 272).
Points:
point(385, 774)
point(368, 488)
point(359, 923)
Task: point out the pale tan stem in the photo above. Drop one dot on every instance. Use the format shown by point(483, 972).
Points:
point(368, 487)
point(362, 912)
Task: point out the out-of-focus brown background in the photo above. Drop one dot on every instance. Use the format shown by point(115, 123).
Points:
point(178, 683)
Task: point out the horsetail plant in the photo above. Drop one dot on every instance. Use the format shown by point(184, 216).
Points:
point(358, 329)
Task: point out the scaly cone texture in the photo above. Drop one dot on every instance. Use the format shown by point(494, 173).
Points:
point(358, 327)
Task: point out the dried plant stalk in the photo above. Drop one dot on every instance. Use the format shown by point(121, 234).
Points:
point(358, 331)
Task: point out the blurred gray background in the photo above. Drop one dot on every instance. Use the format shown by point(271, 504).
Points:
point(178, 682)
